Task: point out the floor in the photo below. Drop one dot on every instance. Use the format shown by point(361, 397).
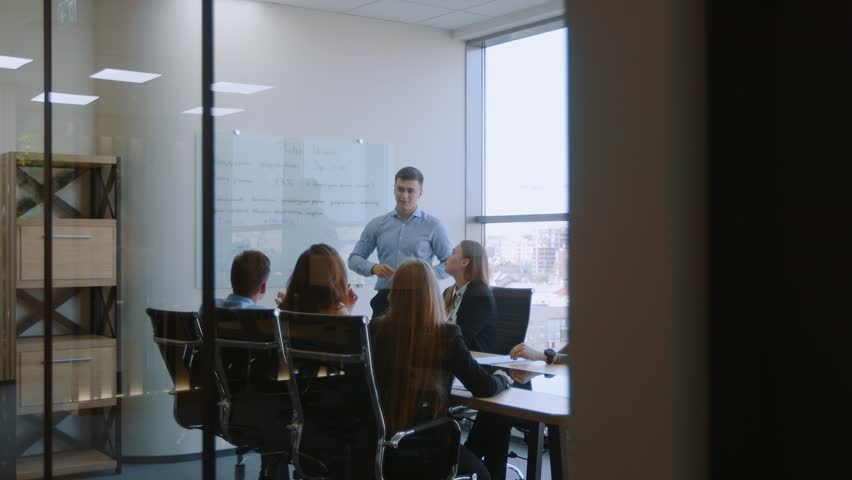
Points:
point(190, 470)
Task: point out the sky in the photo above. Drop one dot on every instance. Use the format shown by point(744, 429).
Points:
point(526, 126)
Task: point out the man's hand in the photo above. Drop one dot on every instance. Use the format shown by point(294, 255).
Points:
point(525, 351)
point(382, 270)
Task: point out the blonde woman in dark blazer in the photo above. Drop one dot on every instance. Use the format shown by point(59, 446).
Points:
point(469, 303)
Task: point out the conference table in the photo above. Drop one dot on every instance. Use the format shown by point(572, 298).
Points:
point(540, 396)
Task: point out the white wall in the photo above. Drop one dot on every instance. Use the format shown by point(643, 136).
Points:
point(335, 77)
point(637, 240)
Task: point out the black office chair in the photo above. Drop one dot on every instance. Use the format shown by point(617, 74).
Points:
point(510, 329)
point(255, 406)
point(336, 401)
point(178, 337)
point(513, 318)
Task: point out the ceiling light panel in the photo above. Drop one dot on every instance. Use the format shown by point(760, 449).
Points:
point(216, 111)
point(241, 88)
point(125, 75)
point(66, 98)
point(13, 63)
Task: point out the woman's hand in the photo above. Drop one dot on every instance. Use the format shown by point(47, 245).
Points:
point(281, 297)
point(351, 298)
point(505, 375)
point(525, 351)
point(522, 376)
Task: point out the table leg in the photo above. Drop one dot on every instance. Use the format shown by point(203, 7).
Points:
point(554, 438)
point(535, 442)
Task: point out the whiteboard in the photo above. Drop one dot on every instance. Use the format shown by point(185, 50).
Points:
point(279, 195)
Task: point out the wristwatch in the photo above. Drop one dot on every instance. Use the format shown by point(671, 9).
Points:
point(549, 356)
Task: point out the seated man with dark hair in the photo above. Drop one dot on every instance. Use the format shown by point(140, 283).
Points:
point(260, 410)
point(249, 276)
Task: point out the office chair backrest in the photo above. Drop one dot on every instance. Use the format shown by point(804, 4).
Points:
point(330, 359)
point(254, 407)
point(513, 318)
point(332, 384)
point(246, 347)
point(178, 337)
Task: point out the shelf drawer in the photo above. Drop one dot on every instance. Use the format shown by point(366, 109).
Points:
point(82, 378)
point(84, 253)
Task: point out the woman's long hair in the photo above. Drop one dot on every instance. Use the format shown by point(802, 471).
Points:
point(476, 270)
point(412, 344)
point(318, 281)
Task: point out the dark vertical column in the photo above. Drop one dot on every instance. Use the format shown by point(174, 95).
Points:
point(8, 420)
point(48, 237)
point(740, 176)
point(117, 308)
point(781, 238)
point(207, 255)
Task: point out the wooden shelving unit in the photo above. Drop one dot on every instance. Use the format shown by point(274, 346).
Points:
point(65, 463)
point(86, 347)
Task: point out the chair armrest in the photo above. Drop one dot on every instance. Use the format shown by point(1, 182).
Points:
point(422, 427)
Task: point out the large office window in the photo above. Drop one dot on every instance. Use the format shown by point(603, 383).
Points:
point(518, 169)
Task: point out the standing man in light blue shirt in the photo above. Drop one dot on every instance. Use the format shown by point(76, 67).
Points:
point(406, 232)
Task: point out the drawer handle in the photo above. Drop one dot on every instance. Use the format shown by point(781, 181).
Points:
point(84, 237)
point(73, 360)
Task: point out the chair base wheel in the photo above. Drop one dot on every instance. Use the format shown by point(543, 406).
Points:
point(515, 469)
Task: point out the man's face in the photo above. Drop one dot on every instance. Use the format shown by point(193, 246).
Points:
point(407, 193)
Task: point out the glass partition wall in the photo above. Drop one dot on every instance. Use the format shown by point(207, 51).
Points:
point(98, 213)
point(22, 128)
point(134, 172)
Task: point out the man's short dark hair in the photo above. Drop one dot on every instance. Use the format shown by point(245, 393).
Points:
point(409, 173)
point(248, 272)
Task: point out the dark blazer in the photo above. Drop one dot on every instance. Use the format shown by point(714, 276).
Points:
point(476, 316)
point(461, 365)
point(457, 362)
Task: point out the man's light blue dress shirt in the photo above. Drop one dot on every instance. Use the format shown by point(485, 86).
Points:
point(422, 236)
point(237, 301)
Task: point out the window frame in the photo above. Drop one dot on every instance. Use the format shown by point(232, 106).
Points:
point(475, 164)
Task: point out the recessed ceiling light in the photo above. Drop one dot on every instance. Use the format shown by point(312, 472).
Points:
point(66, 98)
point(13, 63)
point(125, 75)
point(242, 88)
point(216, 111)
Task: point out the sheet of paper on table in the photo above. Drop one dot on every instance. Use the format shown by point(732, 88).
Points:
point(495, 360)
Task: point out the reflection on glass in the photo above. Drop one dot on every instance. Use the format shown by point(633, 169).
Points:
point(13, 63)
point(534, 255)
point(21, 166)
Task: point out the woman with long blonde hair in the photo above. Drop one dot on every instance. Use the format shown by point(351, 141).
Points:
point(417, 353)
point(469, 303)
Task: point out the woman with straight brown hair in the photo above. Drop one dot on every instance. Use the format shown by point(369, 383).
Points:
point(417, 353)
point(469, 303)
point(318, 284)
